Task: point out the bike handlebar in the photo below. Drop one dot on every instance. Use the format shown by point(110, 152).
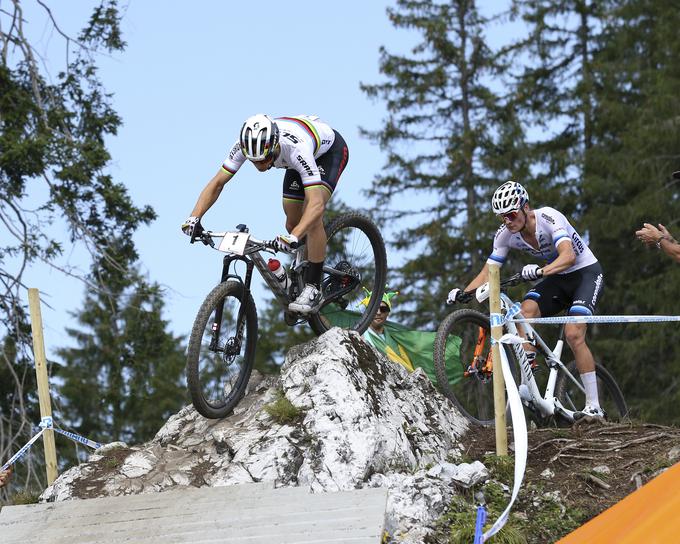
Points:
point(206, 237)
point(515, 279)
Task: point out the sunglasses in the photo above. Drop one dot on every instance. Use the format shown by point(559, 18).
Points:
point(510, 216)
point(383, 310)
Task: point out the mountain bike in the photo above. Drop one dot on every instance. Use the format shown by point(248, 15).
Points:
point(467, 334)
point(223, 339)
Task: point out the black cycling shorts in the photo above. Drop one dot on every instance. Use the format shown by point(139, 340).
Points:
point(578, 291)
point(331, 165)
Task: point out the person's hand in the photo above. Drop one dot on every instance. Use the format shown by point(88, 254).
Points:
point(531, 272)
point(457, 295)
point(649, 234)
point(192, 227)
point(286, 242)
point(665, 232)
point(5, 476)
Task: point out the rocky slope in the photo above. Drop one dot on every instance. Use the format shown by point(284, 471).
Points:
point(340, 416)
point(358, 421)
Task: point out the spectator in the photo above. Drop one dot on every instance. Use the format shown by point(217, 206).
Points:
point(659, 237)
point(5, 476)
point(380, 338)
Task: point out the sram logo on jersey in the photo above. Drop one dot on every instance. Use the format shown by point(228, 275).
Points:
point(234, 150)
point(304, 165)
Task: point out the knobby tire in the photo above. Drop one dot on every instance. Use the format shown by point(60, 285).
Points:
point(358, 221)
point(196, 350)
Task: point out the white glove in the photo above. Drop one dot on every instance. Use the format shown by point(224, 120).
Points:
point(456, 295)
point(531, 272)
point(287, 242)
point(192, 227)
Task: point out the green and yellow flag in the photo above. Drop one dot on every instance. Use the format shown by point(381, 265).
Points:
point(410, 348)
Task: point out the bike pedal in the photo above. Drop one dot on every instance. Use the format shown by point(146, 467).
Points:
point(291, 318)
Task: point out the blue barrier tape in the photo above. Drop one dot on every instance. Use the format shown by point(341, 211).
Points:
point(48, 423)
point(18, 455)
point(599, 319)
point(77, 438)
point(496, 320)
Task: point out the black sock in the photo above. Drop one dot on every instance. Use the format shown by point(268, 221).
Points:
point(313, 274)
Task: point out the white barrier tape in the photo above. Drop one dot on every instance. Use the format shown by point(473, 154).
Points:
point(599, 319)
point(22, 451)
point(519, 431)
point(508, 338)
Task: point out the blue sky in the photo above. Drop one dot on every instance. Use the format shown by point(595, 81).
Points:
point(190, 75)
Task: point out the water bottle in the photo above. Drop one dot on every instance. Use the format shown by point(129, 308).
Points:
point(279, 273)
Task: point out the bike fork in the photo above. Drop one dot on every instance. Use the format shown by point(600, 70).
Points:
point(240, 319)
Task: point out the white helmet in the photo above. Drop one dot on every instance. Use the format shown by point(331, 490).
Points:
point(259, 137)
point(509, 197)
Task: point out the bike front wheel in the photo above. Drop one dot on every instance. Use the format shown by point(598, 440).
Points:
point(355, 267)
point(573, 398)
point(221, 350)
point(464, 366)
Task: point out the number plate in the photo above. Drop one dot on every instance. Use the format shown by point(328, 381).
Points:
point(234, 242)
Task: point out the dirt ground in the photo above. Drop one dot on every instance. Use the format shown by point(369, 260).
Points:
point(591, 465)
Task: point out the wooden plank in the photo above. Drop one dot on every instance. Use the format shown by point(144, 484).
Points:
point(246, 513)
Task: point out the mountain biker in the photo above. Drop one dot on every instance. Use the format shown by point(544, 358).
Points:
point(572, 278)
point(314, 156)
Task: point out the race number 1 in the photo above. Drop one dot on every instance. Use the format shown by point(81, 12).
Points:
point(234, 242)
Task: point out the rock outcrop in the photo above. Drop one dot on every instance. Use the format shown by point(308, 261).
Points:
point(361, 421)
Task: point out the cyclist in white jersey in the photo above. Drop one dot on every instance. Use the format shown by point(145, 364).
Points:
point(314, 157)
point(572, 277)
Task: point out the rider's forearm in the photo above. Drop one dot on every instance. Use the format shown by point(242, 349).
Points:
point(565, 259)
point(562, 263)
point(209, 194)
point(481, 279)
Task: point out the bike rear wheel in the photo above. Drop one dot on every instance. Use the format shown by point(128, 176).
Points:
point(219, 359)
point(463, 342)
point(611, 398)
point(356, 262)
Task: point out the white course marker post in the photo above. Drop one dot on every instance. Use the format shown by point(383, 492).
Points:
point(43, 382)
point(498, 382)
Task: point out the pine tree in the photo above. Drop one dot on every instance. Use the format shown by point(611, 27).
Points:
point(451, 138)
point(602, 83)
point(126, 375)
point(554, 91)
point(636, 143)
point(52, 141)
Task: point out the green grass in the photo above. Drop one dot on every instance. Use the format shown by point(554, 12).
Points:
point(282, 410)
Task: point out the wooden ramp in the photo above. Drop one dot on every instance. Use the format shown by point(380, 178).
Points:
point(253, 514)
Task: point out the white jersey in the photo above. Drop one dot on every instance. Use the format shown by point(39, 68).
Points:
point(552, 228)
point(302, 140)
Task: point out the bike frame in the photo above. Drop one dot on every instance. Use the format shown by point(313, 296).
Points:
point(547, 404)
